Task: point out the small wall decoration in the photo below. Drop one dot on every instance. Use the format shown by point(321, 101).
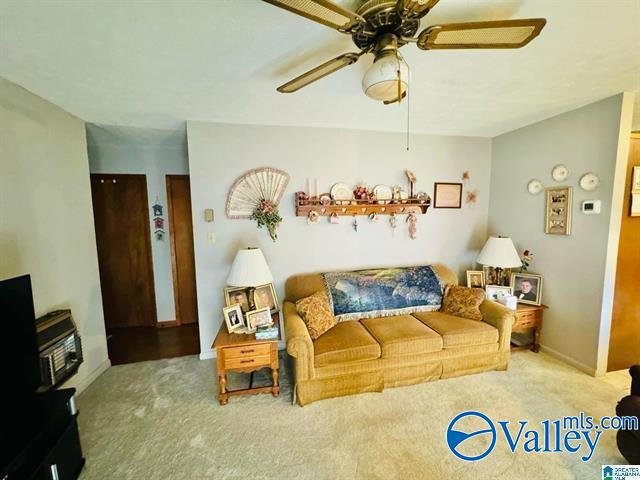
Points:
point(447, 195)
point(471, 197)
point(412, 220)
point(557, 217)
point(589, 182)
point(256, 195)
point(560, 173)
point(466, 176)
point(158, 220)
point(534, 187)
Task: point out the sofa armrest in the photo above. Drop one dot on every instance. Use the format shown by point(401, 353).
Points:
point(299, 344)
point(500, 317)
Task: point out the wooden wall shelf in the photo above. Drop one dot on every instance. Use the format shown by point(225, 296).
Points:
point(361, 207)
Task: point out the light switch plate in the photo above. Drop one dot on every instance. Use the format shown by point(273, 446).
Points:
point(208, 214)
point(211, 237)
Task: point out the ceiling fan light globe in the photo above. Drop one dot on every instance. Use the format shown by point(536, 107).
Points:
point(380, 81)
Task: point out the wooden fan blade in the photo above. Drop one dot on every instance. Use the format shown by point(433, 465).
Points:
point(322, 11)
point(415, 8)
point(493, 34)
point(320, 71)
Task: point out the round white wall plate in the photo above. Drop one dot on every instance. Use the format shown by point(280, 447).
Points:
point(560, 173)
point(589, 182)
point(534, 187)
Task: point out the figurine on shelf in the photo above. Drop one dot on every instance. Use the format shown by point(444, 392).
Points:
point(302, 196)
point(362, 192)
point(412, 179)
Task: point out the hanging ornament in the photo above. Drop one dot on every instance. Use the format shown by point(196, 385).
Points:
point(334, 219)
point(354, 224)
point(412, 220)
point(393, 221)
point(373, 216)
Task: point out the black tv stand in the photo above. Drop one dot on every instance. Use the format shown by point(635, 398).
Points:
point(41, 441)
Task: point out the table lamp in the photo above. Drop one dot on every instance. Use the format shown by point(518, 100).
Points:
point(249, 269)
point(499, 254)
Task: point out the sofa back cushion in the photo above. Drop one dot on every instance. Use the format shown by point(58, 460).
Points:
point(463, 302)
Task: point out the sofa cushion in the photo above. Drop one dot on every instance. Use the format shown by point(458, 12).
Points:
point(403, 335)
point(316, 313)
point(346, 342)
point(457, 331)
point(463, 302)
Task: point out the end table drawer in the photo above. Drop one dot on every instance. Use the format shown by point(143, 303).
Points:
point(247, 351)
point(246, 362)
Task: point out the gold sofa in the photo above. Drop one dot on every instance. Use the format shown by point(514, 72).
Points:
point(370, 355)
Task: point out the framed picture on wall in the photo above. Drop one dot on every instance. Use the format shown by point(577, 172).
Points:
point(447, 195)
point(557, 215)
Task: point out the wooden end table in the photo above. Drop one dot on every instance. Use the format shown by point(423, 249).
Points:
point(528, 317)
point(241, 352)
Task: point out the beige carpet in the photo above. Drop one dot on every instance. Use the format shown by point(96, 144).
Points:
point(161, 420)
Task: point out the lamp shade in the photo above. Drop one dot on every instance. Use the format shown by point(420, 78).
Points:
point(249, 269)
point(499, 252)
point(380, 82)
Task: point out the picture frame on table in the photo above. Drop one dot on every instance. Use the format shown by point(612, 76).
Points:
point(447, 195)
point(495, 292)
point(259, 318)
point(527, 288)
point(233, 318)
point(265, 296)
point(475, 279)
point(237, 296)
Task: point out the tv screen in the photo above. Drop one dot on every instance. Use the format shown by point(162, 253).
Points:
point(19, 360)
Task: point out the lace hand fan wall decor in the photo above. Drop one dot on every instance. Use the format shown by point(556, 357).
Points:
point(256, 195)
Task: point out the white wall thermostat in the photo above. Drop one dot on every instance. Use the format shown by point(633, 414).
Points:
point(591, 207)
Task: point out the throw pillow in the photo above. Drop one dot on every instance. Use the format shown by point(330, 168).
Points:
point(316, 313)
point(463, 302)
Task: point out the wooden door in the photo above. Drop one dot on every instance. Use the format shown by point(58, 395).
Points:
point(624, 346)
point(182, 256)
point(121, 217)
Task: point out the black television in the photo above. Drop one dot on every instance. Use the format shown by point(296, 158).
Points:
point(19, 359)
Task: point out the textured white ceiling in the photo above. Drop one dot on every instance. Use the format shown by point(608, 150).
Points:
point(155, 64)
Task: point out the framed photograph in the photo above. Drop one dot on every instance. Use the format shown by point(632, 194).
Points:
point(265, 296)
point(233, 318)
point(527, 287)
point(237, 296)
point(494, 292)
point(475, 278)
point(557, 215)
point(447, 195)
point(258, 318)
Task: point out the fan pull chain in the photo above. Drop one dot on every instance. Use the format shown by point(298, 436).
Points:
point(408, 100)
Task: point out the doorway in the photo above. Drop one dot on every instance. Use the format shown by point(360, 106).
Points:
point(624, 345)
point(182, 251)
point(121, 207)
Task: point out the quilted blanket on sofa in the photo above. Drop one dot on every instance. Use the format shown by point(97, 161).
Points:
point(383, 292)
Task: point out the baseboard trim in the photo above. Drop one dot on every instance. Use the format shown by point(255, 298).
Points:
point(568, 360)
point(167, 324)
point(207, 355)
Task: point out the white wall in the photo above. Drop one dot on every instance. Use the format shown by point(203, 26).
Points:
point(46, 218)
point(218, 153)
point(573, 267)
point(154, 153)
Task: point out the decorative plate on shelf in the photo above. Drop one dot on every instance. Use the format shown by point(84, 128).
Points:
point(383, 193)
point(341, 192)
point(589, 182)
point(560, 173)
point(534, 187)
point(325, 199)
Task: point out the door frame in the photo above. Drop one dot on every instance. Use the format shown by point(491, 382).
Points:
point(172, 240)
point(147, 236)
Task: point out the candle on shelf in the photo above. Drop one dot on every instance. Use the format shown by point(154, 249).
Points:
point(317, 188)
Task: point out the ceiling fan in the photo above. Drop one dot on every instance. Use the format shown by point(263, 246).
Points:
point(382, 27)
